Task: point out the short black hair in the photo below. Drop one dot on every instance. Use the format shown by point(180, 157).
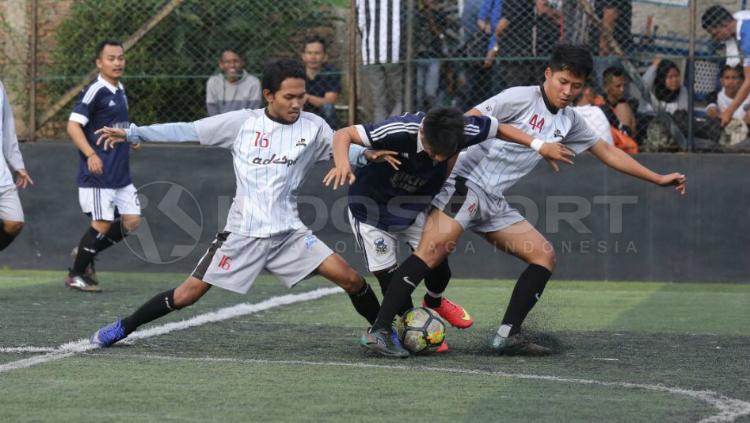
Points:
point(612, 72)
point(575, 59)
point(715, 16)
point(314, 39)
point(231, 50)
point(444, 130)
point(275, 72)
point(739, 69)
point(103, 43)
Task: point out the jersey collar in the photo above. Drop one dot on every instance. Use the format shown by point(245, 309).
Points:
point(109, 85)
point(552, 109)
point(420, 147)
point(268, 115)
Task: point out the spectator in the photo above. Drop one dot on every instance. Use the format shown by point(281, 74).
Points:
point(614, 98)
point(593, 115)
point(233, 88)
point(663, 81)
point(323, 80)
point(736, 130)
point(515, 35)
point(616, 20)
point(734, 31)
point(548, 30)
point(431, 45)
point(479, 76)
point(487, 21)
point(381, 49)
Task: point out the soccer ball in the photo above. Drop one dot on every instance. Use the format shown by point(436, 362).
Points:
point(421, 330)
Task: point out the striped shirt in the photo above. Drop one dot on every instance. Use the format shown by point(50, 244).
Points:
point(271, 160)
point(391, 199)
point(10, 152)
point(498, 165)
point(380, 26)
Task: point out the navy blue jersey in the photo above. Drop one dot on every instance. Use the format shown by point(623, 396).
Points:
point(391, 199)
point(102, 104)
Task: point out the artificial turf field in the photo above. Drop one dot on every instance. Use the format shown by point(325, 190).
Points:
point(625, 352)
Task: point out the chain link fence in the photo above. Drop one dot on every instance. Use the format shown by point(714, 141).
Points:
point(404, 55)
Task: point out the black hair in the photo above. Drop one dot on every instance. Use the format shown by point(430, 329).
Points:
point(660, 88)
point(612, 72)
point(230, 50)
point(715, 16)
point(575, 59)
point(275, 72)
point(101, 44)
point(314, 39)
point(444, 130)
point(737, 69)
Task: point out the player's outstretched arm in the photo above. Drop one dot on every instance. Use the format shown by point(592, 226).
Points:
point(342, 171)
point(162, 132)
point(623, 162)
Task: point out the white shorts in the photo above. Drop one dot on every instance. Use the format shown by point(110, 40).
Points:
point(108, 203)
point(10, 204)
point(473, 208)
point(380, 247)
point(232, 262)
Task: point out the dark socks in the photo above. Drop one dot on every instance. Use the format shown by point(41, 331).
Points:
point(384, 278)
point(115, 234)
point(525, 295)
point(5, 238)
point(366, 303)
point(158, 306)
point(403, 282)
point(436, 282)
point(86, 251)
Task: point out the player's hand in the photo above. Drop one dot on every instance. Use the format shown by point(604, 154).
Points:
point(379, 156)
point(95, 165)
point(339, 175)
point(676, 179)
point(23, 179)
point(725, 117)
point(109, 137)
point(135, 147)
point(554, 152)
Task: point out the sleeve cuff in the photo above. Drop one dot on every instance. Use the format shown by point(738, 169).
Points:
point(363, 135)
point(79, 118)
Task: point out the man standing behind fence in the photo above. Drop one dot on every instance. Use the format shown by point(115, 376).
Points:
point(323, 80)
point(734, 30)
point(380, 26)
point(233, 88)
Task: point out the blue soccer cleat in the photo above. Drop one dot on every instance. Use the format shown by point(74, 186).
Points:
point(108, 335)
point(384, 342)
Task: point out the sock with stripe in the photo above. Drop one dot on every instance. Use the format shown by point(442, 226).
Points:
point(86, 251)
point(526, 293)
point(158, 306)
point(436, 282)
point(403, 282)
point(115, 234)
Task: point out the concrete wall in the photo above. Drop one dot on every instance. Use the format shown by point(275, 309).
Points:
point(603, 225)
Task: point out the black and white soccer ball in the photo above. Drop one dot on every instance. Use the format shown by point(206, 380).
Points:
point(421, 330)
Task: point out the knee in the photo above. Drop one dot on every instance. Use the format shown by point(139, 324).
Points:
point(545, 258)
point(352, 282)
point(12, 228)
point(434, 253)
point(187, 294)
point(130, 225)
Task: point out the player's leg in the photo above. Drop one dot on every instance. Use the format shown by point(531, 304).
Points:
point(11, 216)
point(98, 203)
point(525, 242)
point(436, 281)
point(379, 248)
point(214, 266)
point(337, 270)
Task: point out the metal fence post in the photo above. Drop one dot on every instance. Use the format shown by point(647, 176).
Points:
point(352, 85)
point(691, 75)
point(409, 68)
point(31, 137)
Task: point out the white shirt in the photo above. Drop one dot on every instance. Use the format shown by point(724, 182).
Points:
point(271, 160)
point(597, 121)
point(498, 165)
point(10, 151)
point(723, 101)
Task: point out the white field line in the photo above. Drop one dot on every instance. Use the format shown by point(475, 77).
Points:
point(729, 408)
point(83, 345)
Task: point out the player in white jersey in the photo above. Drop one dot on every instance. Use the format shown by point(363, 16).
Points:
point(473, 199)
point(273, 150)
point(11, 213)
